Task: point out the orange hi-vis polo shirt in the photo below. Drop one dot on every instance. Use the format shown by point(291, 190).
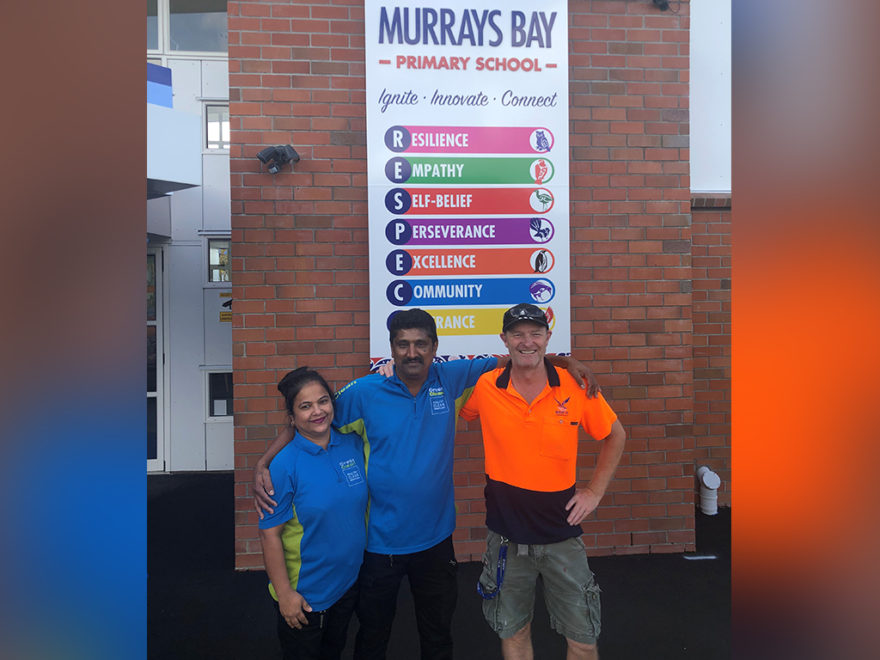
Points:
point(534, 445)
point(531, 451)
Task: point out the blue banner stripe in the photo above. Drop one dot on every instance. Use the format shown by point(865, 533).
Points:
point(159, 95)
point(158, 74)
point(457, 292)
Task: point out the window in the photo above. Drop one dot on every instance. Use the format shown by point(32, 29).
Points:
point(217, 126)
point(152, 25)
point(187, 26)
point(218, 260)
point(220, 394)
point(198, 25)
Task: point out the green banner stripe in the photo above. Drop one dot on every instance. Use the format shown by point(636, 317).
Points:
point(475, 170)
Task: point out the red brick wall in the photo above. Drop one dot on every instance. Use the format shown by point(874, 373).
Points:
point(300, 246)
point(711, 311)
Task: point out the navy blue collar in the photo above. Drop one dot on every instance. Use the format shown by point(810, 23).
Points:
point(503, 379)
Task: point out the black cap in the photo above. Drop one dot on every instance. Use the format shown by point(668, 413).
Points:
point(523, 312)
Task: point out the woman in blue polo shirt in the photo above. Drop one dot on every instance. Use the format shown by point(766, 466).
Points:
point(313, 543)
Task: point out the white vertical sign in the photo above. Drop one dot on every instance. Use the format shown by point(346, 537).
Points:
point(467, 148)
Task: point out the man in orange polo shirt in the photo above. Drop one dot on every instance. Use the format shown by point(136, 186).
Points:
point(530, 413)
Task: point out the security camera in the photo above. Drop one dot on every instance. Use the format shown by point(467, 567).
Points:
point(288, 153)
point(266, 154)
point(276, 157)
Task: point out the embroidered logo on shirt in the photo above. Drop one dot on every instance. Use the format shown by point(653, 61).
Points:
point(561, 409)
point(437, 397)
point(351, 471)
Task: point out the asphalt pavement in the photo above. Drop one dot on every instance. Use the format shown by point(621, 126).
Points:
point(654, 607)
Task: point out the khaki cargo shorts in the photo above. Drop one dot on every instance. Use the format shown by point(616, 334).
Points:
point(570, 590)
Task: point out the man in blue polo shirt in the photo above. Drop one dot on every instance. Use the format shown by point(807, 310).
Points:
point(407, 422)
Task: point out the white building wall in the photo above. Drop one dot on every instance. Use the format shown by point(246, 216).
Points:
point(184, 349)
point(216, 193)
point(196, 340)
point(186, 81)
point(710, 96)
point(186, 214)
point(215, 79)
point(175, 157)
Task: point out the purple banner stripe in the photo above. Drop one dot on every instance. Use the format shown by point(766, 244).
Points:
point(469, 231)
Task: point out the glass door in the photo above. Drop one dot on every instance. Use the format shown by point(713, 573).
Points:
point(155, 364)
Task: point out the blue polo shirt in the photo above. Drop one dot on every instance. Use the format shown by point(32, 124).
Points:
point(322, 500)
point(408, 444)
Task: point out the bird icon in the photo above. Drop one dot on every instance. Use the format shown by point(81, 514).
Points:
point(544, 198)
point(541, 141)
point(541, 170)
point(536, 225)
point(542, 263)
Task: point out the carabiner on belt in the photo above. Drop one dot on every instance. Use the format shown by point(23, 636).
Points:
point(499, 571)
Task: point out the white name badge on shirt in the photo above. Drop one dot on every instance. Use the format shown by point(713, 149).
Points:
point(352, 473)
point(438, 401)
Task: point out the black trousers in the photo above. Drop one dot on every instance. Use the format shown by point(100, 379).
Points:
point(323, 638)
point(431, 575)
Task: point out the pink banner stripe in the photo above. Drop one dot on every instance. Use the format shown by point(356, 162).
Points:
point(479, 139)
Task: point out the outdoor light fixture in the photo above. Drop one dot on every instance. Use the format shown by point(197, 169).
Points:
point(276, 157)
point(662, 5)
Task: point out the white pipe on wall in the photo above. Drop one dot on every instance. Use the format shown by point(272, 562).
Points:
point(709, 483)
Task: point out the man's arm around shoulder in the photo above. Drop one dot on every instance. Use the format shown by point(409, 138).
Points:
point(263, 489)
